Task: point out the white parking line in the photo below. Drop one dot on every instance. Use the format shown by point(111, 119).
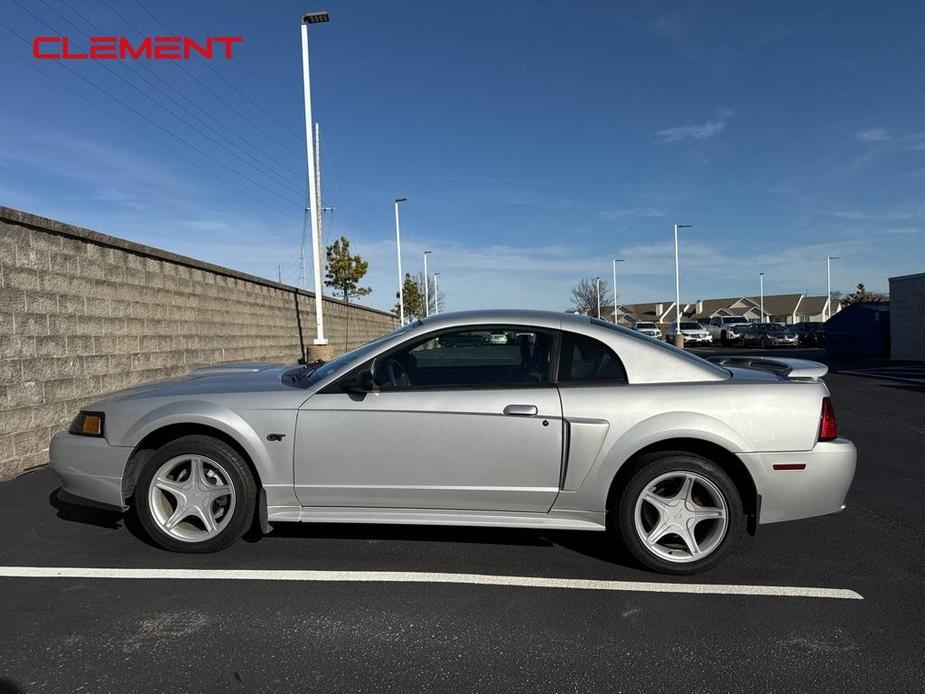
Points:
point(424, 577)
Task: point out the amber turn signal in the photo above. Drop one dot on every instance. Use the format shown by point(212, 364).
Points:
point(87, 424)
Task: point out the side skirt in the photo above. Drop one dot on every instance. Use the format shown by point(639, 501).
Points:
point(557, 520)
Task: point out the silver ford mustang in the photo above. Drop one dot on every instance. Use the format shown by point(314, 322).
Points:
point(495, 418)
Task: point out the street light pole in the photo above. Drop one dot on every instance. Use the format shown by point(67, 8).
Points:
point(313, 18)
point(401, 278)
point(436, 295)
point(827, 310)
point(426, 287)
point(761, 281)
point(678, 336)
point(615, 261)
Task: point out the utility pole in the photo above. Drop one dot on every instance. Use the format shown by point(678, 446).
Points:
point(761, 281)
point(827, 308)
point(598, 283)
point(615, 261)
point(313, 18)
point(678, 336)
point(426, 287)
point(401, 279)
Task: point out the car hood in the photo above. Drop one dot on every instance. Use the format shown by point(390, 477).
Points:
point(221, 378)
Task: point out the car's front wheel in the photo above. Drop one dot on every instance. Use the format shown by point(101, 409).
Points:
point(679, 513)
point(195, 494)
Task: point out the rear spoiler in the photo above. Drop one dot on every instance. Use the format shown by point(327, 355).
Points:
point(795, 369)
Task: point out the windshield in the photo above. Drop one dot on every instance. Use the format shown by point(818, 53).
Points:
point(645, 325)
point(691, 326)
point(329, 367)
point(774, 328)
point(735, 319)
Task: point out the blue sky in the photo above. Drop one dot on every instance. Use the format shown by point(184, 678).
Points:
point(534, 140)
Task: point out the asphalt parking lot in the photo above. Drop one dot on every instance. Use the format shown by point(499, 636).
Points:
point(181, 632)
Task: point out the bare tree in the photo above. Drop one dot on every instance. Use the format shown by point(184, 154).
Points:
point(584, 297)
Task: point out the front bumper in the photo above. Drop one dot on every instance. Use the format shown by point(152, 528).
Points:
point(89, 467)
point(689, 340)
point(818, 489)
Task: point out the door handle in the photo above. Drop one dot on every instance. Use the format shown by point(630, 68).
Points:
point(520, 410)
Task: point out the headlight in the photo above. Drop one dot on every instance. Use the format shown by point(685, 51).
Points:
point(87, 424)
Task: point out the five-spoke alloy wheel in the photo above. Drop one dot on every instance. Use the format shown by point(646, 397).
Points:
point(195, 494)
point(679, 513)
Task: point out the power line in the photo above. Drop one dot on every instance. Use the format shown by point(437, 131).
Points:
point(251, 160)
point(211, 91)
point(221, 77)
point(143, 133)
point(149, 120)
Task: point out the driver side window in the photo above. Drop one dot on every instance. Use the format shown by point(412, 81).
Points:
point(493, 356)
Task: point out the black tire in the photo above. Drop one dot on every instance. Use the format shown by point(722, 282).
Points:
point(764, 343)
point(240, 478)
point(647, 469)
point(722, 338)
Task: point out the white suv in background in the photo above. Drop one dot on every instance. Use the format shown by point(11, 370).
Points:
point(694, 333)
point(723, 328)
point(648, 328)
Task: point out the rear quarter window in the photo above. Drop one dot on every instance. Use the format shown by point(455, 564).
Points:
point(586, 360)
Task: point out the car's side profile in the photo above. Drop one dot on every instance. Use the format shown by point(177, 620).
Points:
point(565, 423)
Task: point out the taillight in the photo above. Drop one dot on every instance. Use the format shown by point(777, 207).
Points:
point(828, 429)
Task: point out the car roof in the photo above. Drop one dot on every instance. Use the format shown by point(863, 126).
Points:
point(546, 319)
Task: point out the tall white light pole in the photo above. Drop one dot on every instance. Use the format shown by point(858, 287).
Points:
point(828, 285)
point(598, 283)
point(678, 337)
point(436, 295)
point(426, 286)
point(761, 282)
point(313, 202)
point(615, 261)
point(401, 278)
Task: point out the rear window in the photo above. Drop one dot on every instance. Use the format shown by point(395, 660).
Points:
point(586, 360)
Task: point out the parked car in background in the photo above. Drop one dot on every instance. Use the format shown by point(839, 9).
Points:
point(811, 333)
point(676, 455)
point(767, 335)
point(694, 333)
point(648, 328)
point(725, 329)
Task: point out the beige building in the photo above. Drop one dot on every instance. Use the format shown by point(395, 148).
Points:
point(778, 308)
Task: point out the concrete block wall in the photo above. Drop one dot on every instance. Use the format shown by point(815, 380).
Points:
point(907, 317)
point(83, 314)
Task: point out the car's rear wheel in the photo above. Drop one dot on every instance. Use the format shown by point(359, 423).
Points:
point(195, 494)
point(679, 513)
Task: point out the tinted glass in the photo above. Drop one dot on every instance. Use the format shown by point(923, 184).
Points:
point(471, 357)
point(584, 359)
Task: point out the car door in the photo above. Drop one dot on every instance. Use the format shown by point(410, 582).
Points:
point(466, 418)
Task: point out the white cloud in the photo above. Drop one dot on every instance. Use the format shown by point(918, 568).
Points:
point(696, 131)
point(873, 135)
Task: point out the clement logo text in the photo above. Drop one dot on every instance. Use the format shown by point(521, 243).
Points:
point(120, 48)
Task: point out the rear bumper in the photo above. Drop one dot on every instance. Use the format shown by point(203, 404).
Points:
point(817, 489)
point(89, 468)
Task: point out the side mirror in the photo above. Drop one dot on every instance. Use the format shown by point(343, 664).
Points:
point(360, 382)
